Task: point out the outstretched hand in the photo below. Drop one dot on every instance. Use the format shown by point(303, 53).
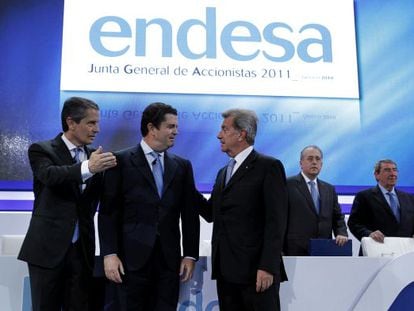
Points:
point(100, 161)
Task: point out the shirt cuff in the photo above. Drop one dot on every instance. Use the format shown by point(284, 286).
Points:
point(86, 174)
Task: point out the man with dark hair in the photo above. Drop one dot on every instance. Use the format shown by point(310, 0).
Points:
point(382, 211)
point(248, 207)
point(144, 199)
point(314, 211)
point(59, 246)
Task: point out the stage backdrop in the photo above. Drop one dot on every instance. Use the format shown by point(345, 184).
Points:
point(333, 73)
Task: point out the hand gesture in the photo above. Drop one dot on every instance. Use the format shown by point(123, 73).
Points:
point(100, 161)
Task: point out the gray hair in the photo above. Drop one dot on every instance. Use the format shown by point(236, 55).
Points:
point(310, 147)
point(377, 167)
point(244, 119)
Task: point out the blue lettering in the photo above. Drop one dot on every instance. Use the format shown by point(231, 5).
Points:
point(141, 36)
point(232, 36)
point(288, 47)
point(210, 29)
point(325, 42)
point(96, 33)
point(227, 38)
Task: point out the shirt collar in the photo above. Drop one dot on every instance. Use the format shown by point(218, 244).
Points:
point(307, 180)
point(241, 156)
point(385, 191)
point(147, 149)
point(68, 143)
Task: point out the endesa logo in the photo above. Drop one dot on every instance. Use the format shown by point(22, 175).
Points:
point(259, 42)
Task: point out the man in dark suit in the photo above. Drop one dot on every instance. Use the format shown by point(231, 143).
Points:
point(59, 246)
point(249, 212)
point(140, 214)
point(312, 217)
point(382, 211)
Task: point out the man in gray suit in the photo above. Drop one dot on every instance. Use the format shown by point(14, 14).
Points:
point(314, 211)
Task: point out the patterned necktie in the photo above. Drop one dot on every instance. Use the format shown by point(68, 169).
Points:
point(77, 151)
point(157, 171)
point(394, 206)
point(315, 195)
point(229, 170)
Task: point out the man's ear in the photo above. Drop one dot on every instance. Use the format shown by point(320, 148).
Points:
point(150, 127)
point(70, 123)
point(243, 135)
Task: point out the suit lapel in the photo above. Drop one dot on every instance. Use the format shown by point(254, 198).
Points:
point(404, 204)
point(139, 159)
point(381, 201)
point(140, 162)
point(170, 166)
point(221, 179)
point(303, 188)
point(244, 167)
point(61, 151)
point(323, 197)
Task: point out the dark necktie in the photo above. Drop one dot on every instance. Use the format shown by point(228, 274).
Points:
point(229, 170)
point(315, 195)
point(394, 206)
point(157, 171)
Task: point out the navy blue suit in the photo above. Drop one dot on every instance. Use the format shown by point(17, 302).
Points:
point(58, 205)
point(249, 216)
point(371, 212)
point(304, 223)
point(134, 220)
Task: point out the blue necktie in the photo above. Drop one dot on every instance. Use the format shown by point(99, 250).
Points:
point(229, 170)
point(315, 195)
point(75, 236)
point(77, 151)
point(157, 171)
point(394, 206)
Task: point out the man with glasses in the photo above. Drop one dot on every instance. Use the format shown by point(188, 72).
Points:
point(382, 211)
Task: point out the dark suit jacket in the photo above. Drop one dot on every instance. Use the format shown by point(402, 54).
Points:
point(371, 212)
point(303, 221)
point(58, 204)
point(132, 215)
point(249, 216)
